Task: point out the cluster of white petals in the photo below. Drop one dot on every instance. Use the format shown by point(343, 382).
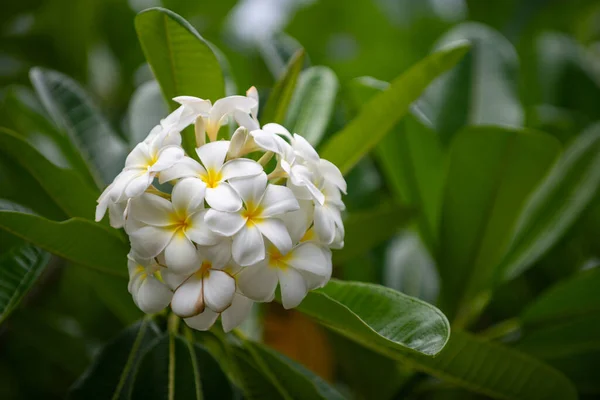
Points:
point(221, 232)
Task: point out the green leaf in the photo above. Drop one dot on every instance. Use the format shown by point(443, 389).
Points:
point(492, 172)
point(80, 241)
point(412, 161)
point(175, 368)
point(67, 189)
point(381, 113)
point(277, 104)
point(312, 103)
point(112, 372)
point(367, 229)
point(146, 109)
point(565, 193)
point(494, 370)
point(74, 112)
point(481, 90)
point(253, 381)
point(182, 61)
point(19, 269)
point(378, 317)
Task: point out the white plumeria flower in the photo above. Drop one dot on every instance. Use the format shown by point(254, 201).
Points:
point(263, 203)
point(149, 293)
point(171, 226)
point(214, 173)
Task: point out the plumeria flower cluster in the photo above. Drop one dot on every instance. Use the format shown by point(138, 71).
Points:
point(215, 231)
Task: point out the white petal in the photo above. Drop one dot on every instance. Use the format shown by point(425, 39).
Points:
point(188, 195)
point(236, 314)
point(167, 157)
point(229, 104)
point(198, 105)
point(250, 189)
point(253, 94)
point(116, 212)
point(293, 287)
point(238, 140)
point(311, 258)
point(332, 174)
point(278, 200)
point(258, 282)
point(151, 209)
point(325, 223)
point(219, 289)
point(149, 240)
point(297, 222)
point(305, 149)
point(139, 184)
point(171, 279)
point(198, 230)
point(188, 299)
point(248, 246)
point(224, 223)
point(186, 167)
point(269, 141)
point(213, 154)
point(139, 157)
point(153, 296)
point(301, 176)
point(246, 121)
point(223, 198)
point(239, 168)
point(202, 322)
point(278, 129)
point(180, 255)
point(276, 232)
point(117, 192)
point(219, 254)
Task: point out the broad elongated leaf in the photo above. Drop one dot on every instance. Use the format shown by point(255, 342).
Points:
point(277, 105)
point(68, 190)
point(182, 61)
point(19, 270)
point(378, 317)
point(83, 242)
point(556, 204)
point(381, 113)
point(494, 370)
point(492, 171)
point(175, 368)
point(481, 90)
point(112, 372)
point(146, 108)
point(312, 103)
point(254, 383)
point(367, 229)
point(73, 111)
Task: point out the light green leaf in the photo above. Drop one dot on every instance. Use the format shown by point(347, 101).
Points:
point(74, 112)
point(367, 229)
point(381, 113)
point(378, 317)
point(80, 241)
point(277, 104)
point(312, 104)
point(68, 190)
point(491, 173)
point(146, 109)
point(565, 193)
point(19, 269)
point(112, 372)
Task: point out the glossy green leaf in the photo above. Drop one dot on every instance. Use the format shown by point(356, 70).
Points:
point(253, 381)
point(19, 270)
point(378, 317)
point(80, 241)
point(68, 190)
point(367, 229)
point(74, 112)
point(381, 113)
point(279, 100)
point(182, 61)
point(494, 370)
point(481, 90)
point(556, 204)
point(492, 172)
point(146, 108)
point(111, 374)
point(174, 368)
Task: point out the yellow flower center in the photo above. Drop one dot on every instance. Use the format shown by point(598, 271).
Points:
point(252, 213)
point(276, 259)
point(179, 223)
point(211, 178)
point(308, 236)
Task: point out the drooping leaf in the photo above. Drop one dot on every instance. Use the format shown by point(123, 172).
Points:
point(556, 204)
point(175, 368)
point(367, 229)
point(481, 90)
point(254, 383)
point(279, 100)
point(312, 103)
point(146, 108)
point(80, 241)
point(378, 317)
point(19, 270)
point(112, 372)
point(381, 113)
point(68, 190)
point(74, 112)
point(492, 171)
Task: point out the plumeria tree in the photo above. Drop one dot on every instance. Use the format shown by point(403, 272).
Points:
point(204, 220)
